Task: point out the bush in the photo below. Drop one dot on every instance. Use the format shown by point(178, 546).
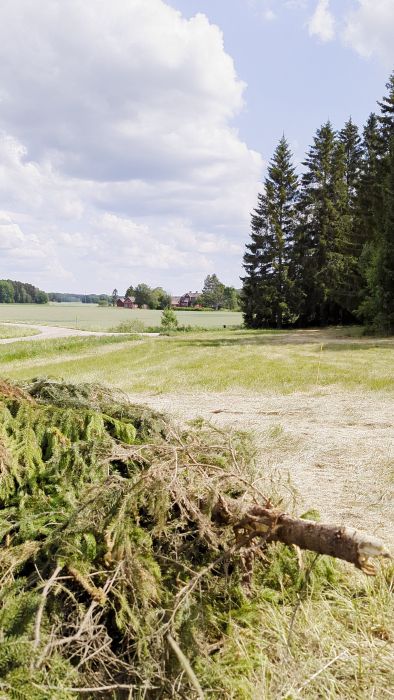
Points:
point(169, 321)
point(134, 326)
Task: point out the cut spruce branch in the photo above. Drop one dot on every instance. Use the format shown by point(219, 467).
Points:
point(341, 542)
point(137, 556)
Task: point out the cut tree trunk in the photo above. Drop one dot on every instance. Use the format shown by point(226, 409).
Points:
point(252, 521)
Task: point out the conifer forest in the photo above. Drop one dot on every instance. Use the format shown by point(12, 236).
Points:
point(321, 249)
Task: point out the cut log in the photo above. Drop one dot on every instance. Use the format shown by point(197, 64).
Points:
point(347, 543)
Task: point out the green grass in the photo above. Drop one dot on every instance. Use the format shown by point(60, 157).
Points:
point(255, 361)
point(38, 352)
point(7, 331)
point(94, 318)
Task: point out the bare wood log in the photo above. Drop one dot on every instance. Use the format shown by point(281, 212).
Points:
point(347, 543)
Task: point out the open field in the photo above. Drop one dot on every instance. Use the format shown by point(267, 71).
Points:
point(94, 318)
point(216, 361)
point(320, 403)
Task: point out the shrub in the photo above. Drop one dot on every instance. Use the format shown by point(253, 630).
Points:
point(169, 321)
point(134, 326)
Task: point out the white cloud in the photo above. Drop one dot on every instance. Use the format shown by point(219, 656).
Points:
point(269, 15)
point(322, 22)
point(20, 251)
point(370, 29)
point(122, 110)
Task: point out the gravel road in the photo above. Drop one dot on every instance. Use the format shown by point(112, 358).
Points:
point(51, 332)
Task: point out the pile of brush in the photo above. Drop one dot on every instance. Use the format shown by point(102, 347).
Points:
point(128, 549)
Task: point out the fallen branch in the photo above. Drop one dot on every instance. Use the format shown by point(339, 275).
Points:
point(40, 611)
point(337, 541)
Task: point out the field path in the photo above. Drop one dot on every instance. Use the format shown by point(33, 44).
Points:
point(51, 332)
point(334, 447)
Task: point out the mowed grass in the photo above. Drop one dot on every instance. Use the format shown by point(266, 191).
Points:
point(7, 331)
point(91, 317)
point(255, 361)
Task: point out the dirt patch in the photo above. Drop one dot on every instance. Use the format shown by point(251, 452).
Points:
point(334, 447)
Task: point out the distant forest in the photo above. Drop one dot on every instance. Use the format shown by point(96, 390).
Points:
point(78, 298)
point(322, 243)
point(12, 292)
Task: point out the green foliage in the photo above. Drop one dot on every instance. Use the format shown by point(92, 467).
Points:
point(323, 258)
point(268, 296)
point(144, 295)
point(377, 260)
point(213, 293)
point(133, 326)
point(169, 320)
point(21, 293)
point(321, 251)
point(6, 292)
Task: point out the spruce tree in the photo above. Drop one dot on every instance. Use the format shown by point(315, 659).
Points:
point(376, 198)
point(386, 119)
point(351, 140)
point(323, 245)
point(369, 194)
point(268, 296)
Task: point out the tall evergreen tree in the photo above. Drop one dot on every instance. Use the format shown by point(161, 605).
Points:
point(386, 119)
point(323, 246)
point(377, 259)
point(378, 305)
point(369, 194)
point(268, 296)
point(351, 140)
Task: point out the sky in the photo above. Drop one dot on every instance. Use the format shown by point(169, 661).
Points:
point(134, 134)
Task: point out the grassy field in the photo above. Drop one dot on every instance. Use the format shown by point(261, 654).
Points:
point(212, 361)
point(90, 317)
point(320, 405)
point(7, 331)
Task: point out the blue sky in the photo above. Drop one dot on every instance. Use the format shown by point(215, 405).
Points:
point(295, 81)
point(134, 134)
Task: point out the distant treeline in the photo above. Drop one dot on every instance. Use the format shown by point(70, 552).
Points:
point(12, 292)
point(78, 298)
point(321, 249)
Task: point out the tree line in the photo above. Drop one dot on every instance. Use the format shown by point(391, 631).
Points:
point(215, 294)
point(70, 298)
point(13, 292)
point(321, 249)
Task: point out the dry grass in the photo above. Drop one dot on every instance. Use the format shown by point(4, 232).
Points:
point(331, 450)
point(10, 331)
